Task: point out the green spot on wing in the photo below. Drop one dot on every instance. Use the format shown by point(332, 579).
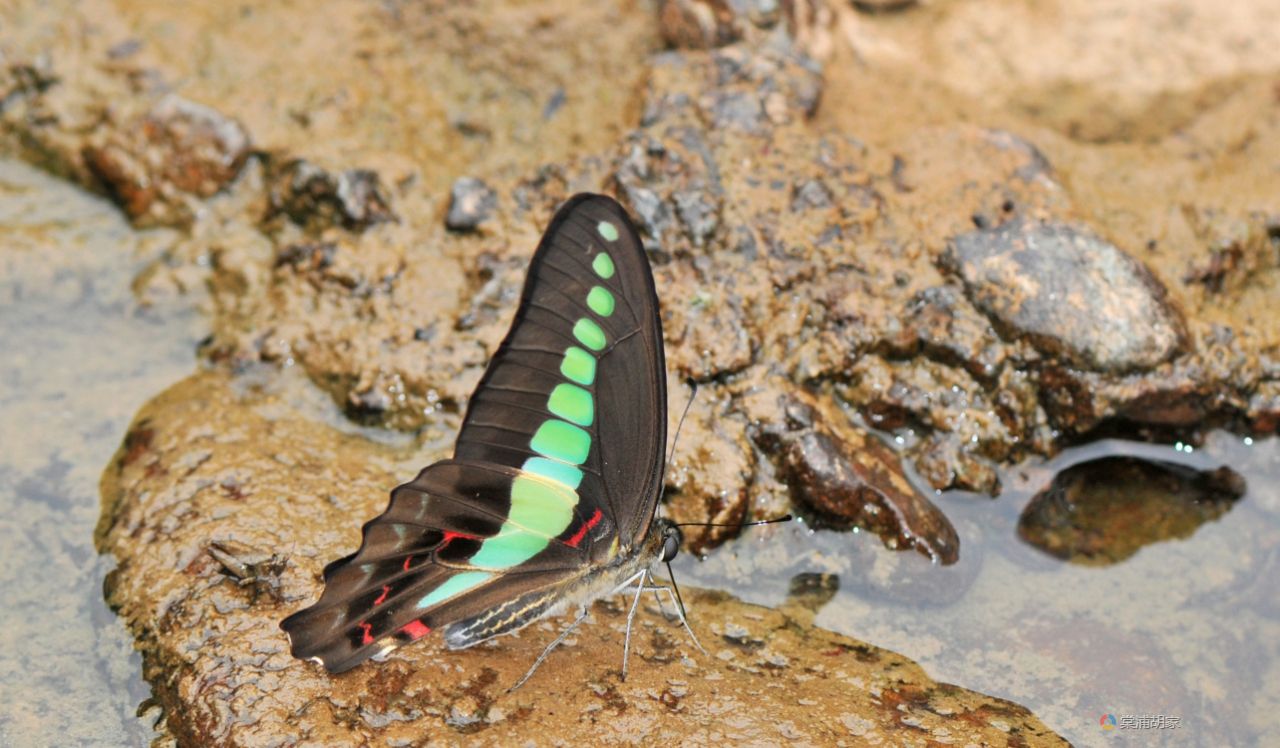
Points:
point(541, 509)
point(578, 365)
point(554, 470)
point(608, 230)
point(561, 441)
point(572, 403)
point(600, 301)
point(603, 265)
point(589, 334)
point(454, 585)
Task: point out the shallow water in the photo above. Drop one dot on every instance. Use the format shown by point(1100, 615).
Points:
point(1187, 629)
point(81, 356)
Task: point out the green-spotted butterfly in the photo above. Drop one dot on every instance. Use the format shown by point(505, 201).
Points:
point(551, 494)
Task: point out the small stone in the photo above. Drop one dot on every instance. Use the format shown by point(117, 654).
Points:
point(697, 24)
point(471, 203)
point(315, 198)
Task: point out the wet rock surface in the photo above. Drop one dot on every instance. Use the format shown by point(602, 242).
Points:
point(858, 481)
point(1076, 297)
point(1104, 511)
point(826, 216)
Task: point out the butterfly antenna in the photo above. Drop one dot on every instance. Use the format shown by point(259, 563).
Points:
point(776, 520)
point(693, 392)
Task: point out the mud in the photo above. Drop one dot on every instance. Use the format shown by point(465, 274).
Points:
point(943, 230)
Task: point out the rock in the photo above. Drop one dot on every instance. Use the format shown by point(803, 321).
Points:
point(471, 203)
point(1071, 294)
point(157, 165)
point(697, 24)
point(858, 481)
point(316, 198)
point(1104, 511)
point(206, 572)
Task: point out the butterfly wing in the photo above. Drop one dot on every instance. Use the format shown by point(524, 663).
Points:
point(577, 390)
point(559, 456)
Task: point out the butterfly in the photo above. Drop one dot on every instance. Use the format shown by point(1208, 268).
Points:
point(551, 495)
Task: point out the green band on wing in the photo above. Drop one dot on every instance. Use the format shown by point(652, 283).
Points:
point(541, 509)
point(600, 301)
point(578, 365)
point(454, 585)
point(589, 334)
point(603, 265)
point(509, 548)
point(561, 441)
point(608, 230)
point(554, 470)
point(572, 403)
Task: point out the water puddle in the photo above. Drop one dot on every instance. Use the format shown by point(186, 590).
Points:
point(81, 356)
point(1163, 617)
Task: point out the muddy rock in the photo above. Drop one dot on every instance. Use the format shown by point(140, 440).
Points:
point(155, 164)
point(1104, 511)
point(1073, 295)
point(222, 512)
point(316, 198)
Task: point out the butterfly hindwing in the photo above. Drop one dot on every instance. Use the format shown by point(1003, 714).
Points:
point(556, 470)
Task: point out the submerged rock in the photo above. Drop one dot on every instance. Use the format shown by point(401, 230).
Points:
point(1104, 511)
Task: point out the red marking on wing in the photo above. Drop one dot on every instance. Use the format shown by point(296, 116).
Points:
point(416, 629)
point(582, 531)
point(383, 597)
point(367, 638)
point(407, 559)
point(450, 535)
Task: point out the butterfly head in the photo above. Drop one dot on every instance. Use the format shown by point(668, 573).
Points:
point(672, 539)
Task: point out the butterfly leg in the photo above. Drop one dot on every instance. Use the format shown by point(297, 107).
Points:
point(582, 614)
point(642, 578)
point(679, 614)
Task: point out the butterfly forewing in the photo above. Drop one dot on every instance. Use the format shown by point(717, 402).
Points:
point(580, 379)
point(559, 456)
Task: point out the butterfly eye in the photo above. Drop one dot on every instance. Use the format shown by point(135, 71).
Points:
point(670, 544)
